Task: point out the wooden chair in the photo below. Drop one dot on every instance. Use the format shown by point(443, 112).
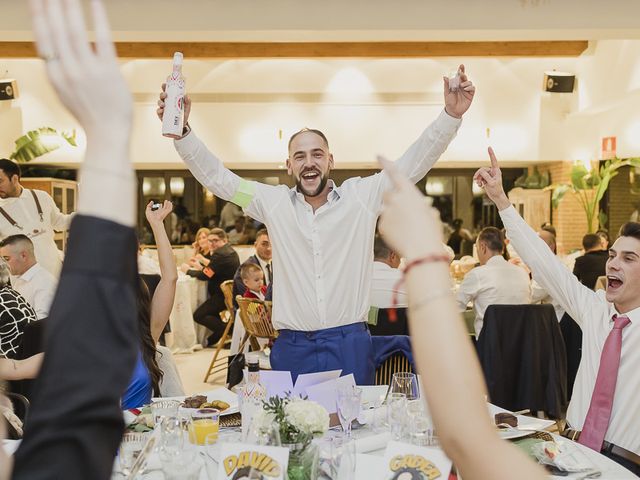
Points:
point(256, 319)
point(394, 364)
point(227, 316)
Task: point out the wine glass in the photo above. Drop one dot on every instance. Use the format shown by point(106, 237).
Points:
point(407, 383)
point(349, 401)
point(263, 433)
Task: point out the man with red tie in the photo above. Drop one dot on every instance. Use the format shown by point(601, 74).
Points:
point(604, 413)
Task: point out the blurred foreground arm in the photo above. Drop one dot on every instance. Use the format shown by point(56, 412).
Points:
point(75, 423)
point(449, 367)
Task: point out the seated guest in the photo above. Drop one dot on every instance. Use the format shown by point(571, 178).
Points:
point(457, 236)
point(201, 251)
point(593, 263)
point(239, 234)
point(442, 351)
point(604, 412)
point(386, 276)
point(221, 267)
point(604, 236)
point(495, 281)
point(15, 314)
point(262, 258)
point(36, 284)
point(538, 293)
point(253, 280)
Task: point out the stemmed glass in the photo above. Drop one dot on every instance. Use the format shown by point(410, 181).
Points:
point(336, 458)
point(349, 401)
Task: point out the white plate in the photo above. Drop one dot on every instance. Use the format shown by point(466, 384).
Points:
point(217, 394)
point(526, 424)
point(510, 434)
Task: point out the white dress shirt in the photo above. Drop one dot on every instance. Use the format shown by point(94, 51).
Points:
point(24, 211)
point(540, 295)
point(383, 284)
point(263, 265)
point(593, 313)
point(322, 260)
point(37, 286)
point(497, 282)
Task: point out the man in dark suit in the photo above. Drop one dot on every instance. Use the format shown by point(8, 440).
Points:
point(593, 263)
point(261, 258)
point(221, 266)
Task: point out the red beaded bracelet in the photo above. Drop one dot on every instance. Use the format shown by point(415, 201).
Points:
point(434, 257)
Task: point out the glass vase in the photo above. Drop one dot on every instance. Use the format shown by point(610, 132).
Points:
point(303, 459)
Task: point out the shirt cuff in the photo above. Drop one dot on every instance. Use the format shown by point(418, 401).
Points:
point(448, 122)
point(187, 144)
point(508, 213)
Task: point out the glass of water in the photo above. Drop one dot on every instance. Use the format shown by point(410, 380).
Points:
point(349, 401)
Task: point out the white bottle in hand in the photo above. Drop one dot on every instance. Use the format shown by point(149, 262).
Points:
point(174, 103)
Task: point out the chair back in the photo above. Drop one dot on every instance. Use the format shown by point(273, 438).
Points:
point(523, 358)
point(256, 317)
point(227, 291)
point(396, 363)
point(384, 326)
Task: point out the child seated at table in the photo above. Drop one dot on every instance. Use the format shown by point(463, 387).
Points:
point(253, 279)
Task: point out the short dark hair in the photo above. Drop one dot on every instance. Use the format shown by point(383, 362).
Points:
point(591, 240)
point(18, 240)
point(493, 238)
point(10, 168)
point(220, 233)
point(630, 229)
point(312, 130)
point(380, 248)
point(262, 231)
point(603, 233)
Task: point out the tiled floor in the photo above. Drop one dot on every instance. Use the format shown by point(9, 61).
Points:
point(192, 368)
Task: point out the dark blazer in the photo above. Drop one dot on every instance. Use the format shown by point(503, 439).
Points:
point(222, 266)
point(590, 266)
point(75, 422)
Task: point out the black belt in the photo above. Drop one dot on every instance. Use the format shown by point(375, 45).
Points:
point(606, 447)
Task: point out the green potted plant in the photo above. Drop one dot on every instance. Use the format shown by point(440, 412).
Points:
point(40, 141)
point(589, 186)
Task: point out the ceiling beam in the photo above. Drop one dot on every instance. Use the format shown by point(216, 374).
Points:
point(134, 50)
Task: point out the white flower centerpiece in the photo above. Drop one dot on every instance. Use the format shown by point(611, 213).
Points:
point(299, 421)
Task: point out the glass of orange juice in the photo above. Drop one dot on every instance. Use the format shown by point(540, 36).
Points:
point(204, 422)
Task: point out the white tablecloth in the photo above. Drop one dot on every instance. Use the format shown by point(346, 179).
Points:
point(370, 459)
point(186, 336)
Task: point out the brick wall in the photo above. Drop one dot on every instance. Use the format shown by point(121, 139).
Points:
point(620, 202)
point(569, 218)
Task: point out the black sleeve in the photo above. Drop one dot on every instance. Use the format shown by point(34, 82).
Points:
point(75, 423)
point(197, 274)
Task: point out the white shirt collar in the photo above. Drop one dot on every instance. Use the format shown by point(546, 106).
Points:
point(496, 259)
point(32, 272)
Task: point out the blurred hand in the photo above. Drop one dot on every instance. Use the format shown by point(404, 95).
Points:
point(184, 268)
point(156, 217)
point(163, 95)
point(408, 223)
point(458, 102)
point(490, 179)
point(88, 83)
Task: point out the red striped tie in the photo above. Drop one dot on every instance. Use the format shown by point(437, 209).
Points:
point(597, 420)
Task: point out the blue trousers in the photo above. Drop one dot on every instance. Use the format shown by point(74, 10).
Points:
point(348, 348)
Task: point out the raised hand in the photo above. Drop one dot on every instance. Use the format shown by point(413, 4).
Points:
point(490, 178)
point(408, 223)
point(163, 95)
point(459, 101)
point(156, 217)
point(88, 82)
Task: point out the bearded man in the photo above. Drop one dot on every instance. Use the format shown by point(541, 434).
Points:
point(322, 237)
